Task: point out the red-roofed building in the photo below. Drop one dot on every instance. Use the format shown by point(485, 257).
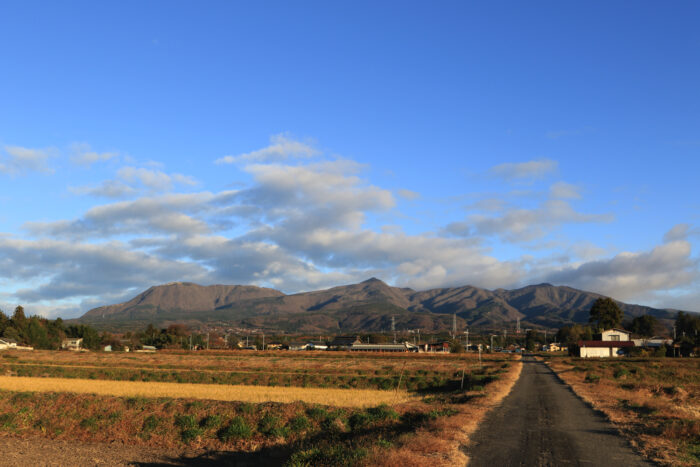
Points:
point(612, 343)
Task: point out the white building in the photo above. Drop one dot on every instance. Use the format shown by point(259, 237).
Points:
point(7, 344)
point(612, 343)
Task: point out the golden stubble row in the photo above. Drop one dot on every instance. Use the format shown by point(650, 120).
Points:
point(241, 393)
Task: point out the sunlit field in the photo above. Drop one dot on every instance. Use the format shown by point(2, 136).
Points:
point(344, 370)
point(216, 392)
point(293, 408)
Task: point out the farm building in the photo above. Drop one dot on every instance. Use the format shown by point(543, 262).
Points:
point(72, 343)
point(317, 345)
point(443, 346)
point(296, 346)
point(7, 344)
point(612, 343)
point(344, 342)
point(404, 347)
point(653, 342)
point(554, 347)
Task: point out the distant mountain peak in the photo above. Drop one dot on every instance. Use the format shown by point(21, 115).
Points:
point(373, 280)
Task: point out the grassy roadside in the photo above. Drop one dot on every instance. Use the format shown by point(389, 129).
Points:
point(441, 441)
point(654, 402)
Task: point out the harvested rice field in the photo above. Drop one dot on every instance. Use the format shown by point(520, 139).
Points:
point(216, 392)
point(273, 408)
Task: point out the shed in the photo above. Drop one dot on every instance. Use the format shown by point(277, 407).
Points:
point(72, 343)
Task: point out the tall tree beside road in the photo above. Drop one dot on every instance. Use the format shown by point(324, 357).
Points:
point(605, 313)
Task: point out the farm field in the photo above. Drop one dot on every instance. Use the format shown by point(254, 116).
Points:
point(654, 402)
point(394, 408)
point(302, 369)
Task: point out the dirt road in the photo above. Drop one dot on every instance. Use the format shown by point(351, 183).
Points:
point(543, 423)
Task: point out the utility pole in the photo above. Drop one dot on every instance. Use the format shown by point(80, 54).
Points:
point(393, 327)
point(492, 342)
point(467, 339)
point(263, 341)
point(454, 326)
point(207, 340)
point(517, 326)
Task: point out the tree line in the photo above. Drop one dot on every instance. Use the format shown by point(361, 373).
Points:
point(606, 314)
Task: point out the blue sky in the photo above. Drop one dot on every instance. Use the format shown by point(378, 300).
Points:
point(301, 145)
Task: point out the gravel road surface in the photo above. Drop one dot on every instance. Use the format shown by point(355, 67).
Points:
point(543, 423)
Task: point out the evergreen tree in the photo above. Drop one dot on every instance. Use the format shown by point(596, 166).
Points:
point(644, 325)
point(606, 314)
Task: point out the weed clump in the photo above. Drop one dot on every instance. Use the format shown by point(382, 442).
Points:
point(270, 425)
point(211, 421)
point(190, 429)
point(149, 425)
point(299, 423)
point(383, 412)
point(317, 413)
point(326, 456)
point(237, 428)
point(592, 378)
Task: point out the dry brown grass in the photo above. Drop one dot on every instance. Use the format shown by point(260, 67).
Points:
point(434, 440)
point(441, 443)
point(655, 403)
point(256, 394)
point(277, 362)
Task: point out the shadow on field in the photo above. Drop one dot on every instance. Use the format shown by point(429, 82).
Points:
point(327, 448)
point(268, 456)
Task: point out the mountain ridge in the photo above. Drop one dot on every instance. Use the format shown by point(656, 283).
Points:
point(366, 306)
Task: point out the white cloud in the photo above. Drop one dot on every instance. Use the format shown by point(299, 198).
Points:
point(18, 160)
point(69, 269)
point(134, 180)
point(172, 214)
point(522, 225)
point(408, 194)
point(83, 155)
point(106, 189)
point(302, 226)
point(530, 170)
point(677, 232)
point(634, 274)
point(564, 190)
point(281, 148)
point(153, 179)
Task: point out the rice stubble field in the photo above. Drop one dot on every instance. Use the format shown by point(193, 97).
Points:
point(303, 408)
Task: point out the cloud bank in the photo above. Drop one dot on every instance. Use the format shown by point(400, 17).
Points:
point(306, 221)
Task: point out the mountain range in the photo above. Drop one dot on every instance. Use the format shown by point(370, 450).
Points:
point(367, 306)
